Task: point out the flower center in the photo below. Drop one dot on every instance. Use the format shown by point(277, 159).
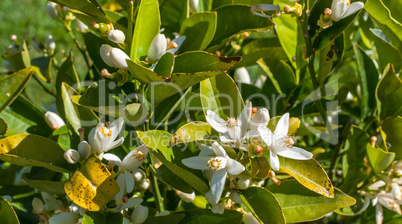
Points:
point(214, 164)
point(106, 132)
point(347, 1)
point(288, 141)
point(231, 123)
point(140, 156)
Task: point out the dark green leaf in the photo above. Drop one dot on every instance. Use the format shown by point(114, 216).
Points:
point(386, 52)
point(164, 67)
point(3, 127)
point(201, 216)
point(7, 212)
point(389, 94)
point(173, 13)
point(54, 187)
point(20, 59)
point(90, 7)
point(167, 176)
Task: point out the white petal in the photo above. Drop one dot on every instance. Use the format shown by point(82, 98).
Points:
point(131, 203)
point(282, 127)
point(338, 10)
point(129, 181)
point(234, 167)
point(119, 58)
point(112, 157)
point(197, 162)
point(91, 137)
point(244, 118)
point(121, 181)
point(266, 135)
point(251, 134)
point(219, 150)
point(179, 41)
point(261, 118)
point(241, 75)
point(225, 139)
point(216, 122)
point(378, 214)
point(218, 183)
point(131, 161)
point(218, 209)
point(105, 54)
point(274, 161)
point(116, 127)
point(293, 153)
point(206, 151)
point(114, 144)
point(353, 8)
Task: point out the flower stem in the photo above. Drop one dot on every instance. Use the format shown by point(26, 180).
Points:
point(155, 187)
point(130, 27)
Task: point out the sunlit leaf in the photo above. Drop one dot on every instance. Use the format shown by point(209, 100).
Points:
point(193, 131)
point(157, 140)
point(379, 159)
point(391, 127)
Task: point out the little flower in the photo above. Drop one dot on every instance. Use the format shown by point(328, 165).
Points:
point(53, 120)
point(241, 75)
point(233, 130)
point(102, 138)
point(386, 200)
point(342, 9)
point(280, 143)
point(116, 36)
point(215, 159)
point(157, 48)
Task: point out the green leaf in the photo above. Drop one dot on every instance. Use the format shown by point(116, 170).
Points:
point(12, 85)
point(90, 7)
point(221, 95)
point(309, 173)
point(392, 127)
point(147, 25)
point(3, 127)
point(7, 212)
point(217, 4)
point(157, 140)
point(42, 66)
point(199, 30)
point(368, 79)
point(229, 25)
point(34, 150)
point(206, 216)
point(168, 177)
point(165, 65)
point(185, 175)
point(263, 204)
point(302, 205)
point(142, 73)
point(379, 159)
point(280, 74)
point(54, 187)
point(389, 94)
point(20, 59)
point(173, 13)
point(191, 132)
point(171, 219)
point(386, 52)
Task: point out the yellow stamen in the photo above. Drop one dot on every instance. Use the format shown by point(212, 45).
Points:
point(138, 155)
point(289, 142)
point(214, 164)
point(232, 122)
point(106, 132)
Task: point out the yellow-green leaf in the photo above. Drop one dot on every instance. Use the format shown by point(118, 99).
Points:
point(7, 212)
point(191, 132)
point(157, 140)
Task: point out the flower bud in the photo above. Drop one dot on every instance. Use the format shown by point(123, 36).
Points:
point(140, 214)
point(186, 197)
point(210, 198)
point(135, 158)
point(261, 118)
point(7, 198)
point(72, 156)
point(244, 183)
point(194, 5)
point(105, 54)
point(52, 10)
point(54, 120)
point(144, 185)
point(7, 65)
point(50, 44)
point(64, 218)
point(81, 26)
point(139, 175)
point(218, 209)
point(248, 218)
point(236, 198)
point(116, 36)
point(37, 205)
point(241, 76)
point(84, 149)
point(119, 58)
point(157, 48)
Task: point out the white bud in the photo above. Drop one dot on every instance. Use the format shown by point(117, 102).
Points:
point(116, 36)
point(244, 183)
point(7, 65)
point(135, 158)
point(51, 10)
point(396, 191)
point(139, 175)
point(81, 26)
point(119, 58)
point(248, 218)
point(241, 76)
point(140, 214)
point(186, 197)
point(218, 209)
point(37, 205)
point(53, 120)
point(261, 118)
point(194, 5)
point(84, 149)
point(157, 48)
point(64, 218)
point(105, 54)
point(236, 198)
point(50, 44)
point(7, 198)
point(144, 185)
point(72, 156)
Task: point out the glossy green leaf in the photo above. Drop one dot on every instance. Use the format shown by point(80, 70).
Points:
point(386, 52)
point(92, 186)
point(12, 85)
point(147, 26)
point(54, 187)
point(191, 132)
point(229, 25)
point(392, 127)
point(33, 150)
point(251, 58)
point(171, 219)
point(221, 95)
point(157, 140)
point(173, 13)
point(368, 76)
point(185, 175)
point(142, 73)
point(3, 127)
point(90, 7)
point(20, 59)
point(263, 204)
point(199, 30)
point(7, 212)
point(164, 67)
point(42, 67)
point(379, 159)
point(170, 178)
point(309, 173)
point(206, 216)
point(389, 94)
point(280, 74)
point(301, 205)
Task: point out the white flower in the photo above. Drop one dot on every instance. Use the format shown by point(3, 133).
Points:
point(342, 9)
point(105, 54)
point(233, 130)
point(64, 218)
point(280, 143)
point(140, 214)
point(131, 202)
point(119, 58)
point(157, 48)
point(50, 44)
point(72, 156)
point(116, 36)
point(216, 207)
point(84, 149)
point(215, 159)
point(144, 185)
point(18, 176)
point(135, 158)
point(139, 175)
point(53, 120)
point(37, 205)
point(102, 138)
point(396, 191)
point(386, 200)
point(241, 76)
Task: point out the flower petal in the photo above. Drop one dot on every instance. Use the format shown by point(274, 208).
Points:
point(116, 127)
point(121, 181)
point(216, 122)
point(225, 139)
point(197, 162)
point(218, 183)
point(251, 134)
point(131, 203)
point(219, 150)
point(112, 157)
point(282, 127)
point(261, 118)
point(274, 161)
point(129, 181)
point(353, 8)
point(292, 153)
point(338, 10)
point(206, 151)
point(234, 167)
point(91, 137)
point(244, 119)
point(131, 161)
point(114, 144)
point(266, 135)
point(379, 217)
